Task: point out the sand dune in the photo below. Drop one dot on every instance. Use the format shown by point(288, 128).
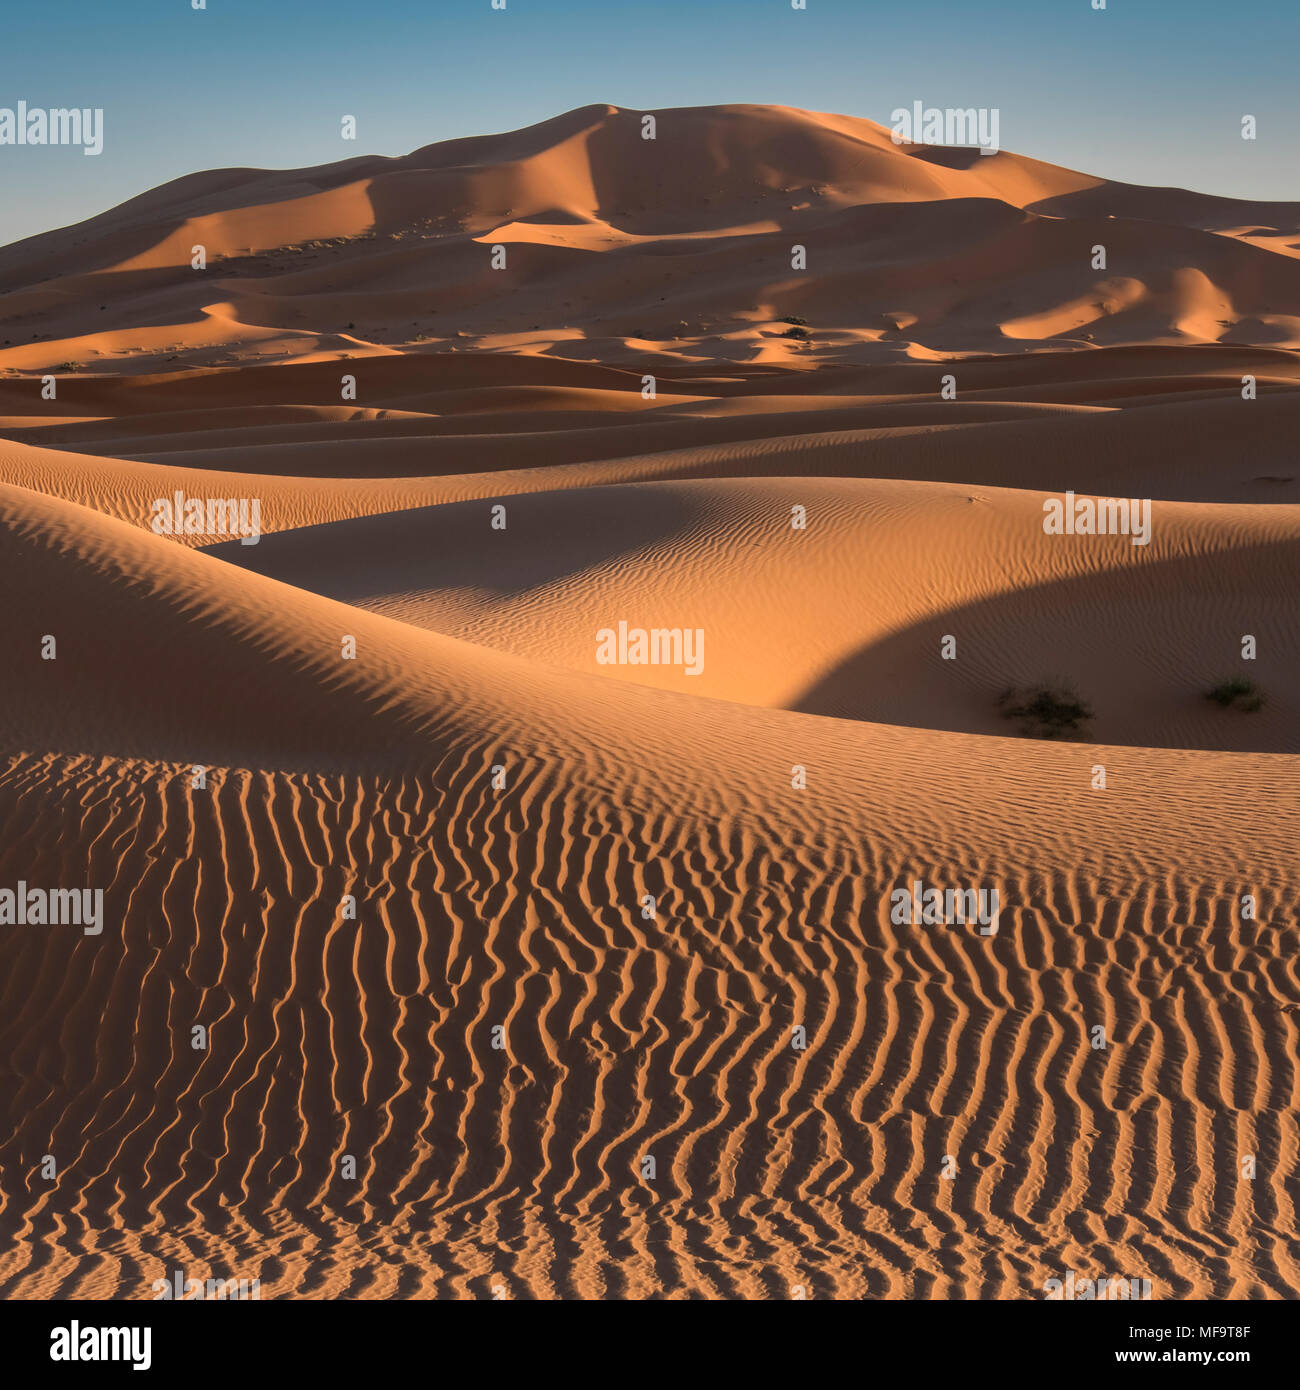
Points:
point(248, 875)
point(1142, 631)
point(615, 244)
point(458, 904)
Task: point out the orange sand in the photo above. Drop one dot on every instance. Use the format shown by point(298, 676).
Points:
point(515, 899)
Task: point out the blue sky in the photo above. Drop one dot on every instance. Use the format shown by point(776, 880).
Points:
point(1151, 91)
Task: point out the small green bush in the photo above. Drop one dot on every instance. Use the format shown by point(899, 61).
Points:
point(1237, 693)
point(1044, 711)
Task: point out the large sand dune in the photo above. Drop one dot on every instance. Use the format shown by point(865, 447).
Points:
point(594, 903)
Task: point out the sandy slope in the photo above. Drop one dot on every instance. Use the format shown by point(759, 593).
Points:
point(669, 1037)
point(500, 806)
point(847, 617)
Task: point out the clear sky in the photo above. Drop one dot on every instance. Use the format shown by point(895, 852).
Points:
point(1150, 91)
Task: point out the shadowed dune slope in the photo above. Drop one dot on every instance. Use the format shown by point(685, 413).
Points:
point(1143, 631)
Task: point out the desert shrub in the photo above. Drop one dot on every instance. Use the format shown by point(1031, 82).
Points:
point(1237, 693)
point(1044, 711)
